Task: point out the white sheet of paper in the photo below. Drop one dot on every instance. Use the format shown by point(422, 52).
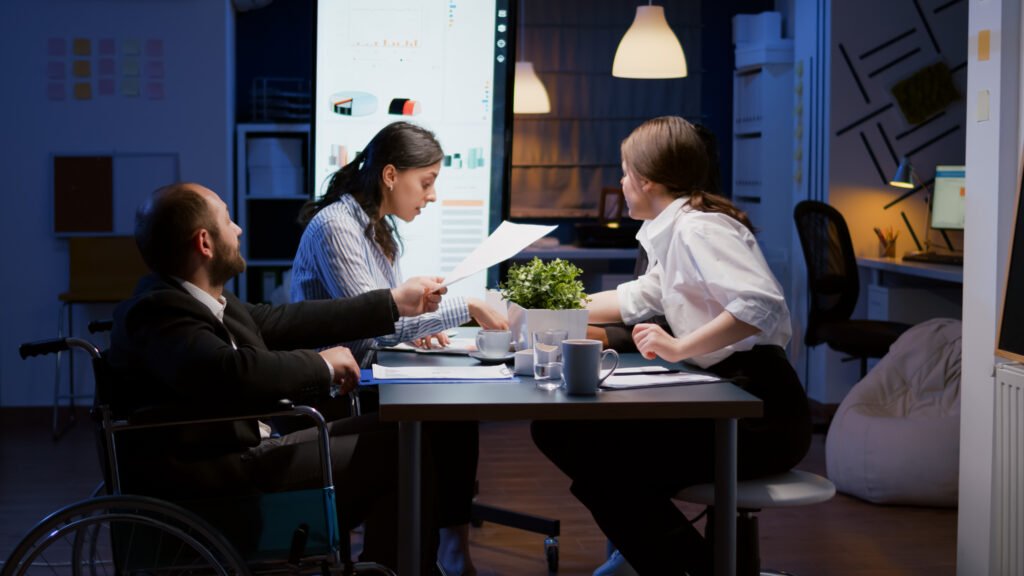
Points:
point(505, 242)
point(495, 372)
point(635, 380)
point(455, 346)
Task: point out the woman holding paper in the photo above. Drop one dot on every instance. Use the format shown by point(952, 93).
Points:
point(727, 315)
point(350, 246)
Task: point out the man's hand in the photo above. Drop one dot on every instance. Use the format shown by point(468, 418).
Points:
point(418, 294)
point(488, 318)
point(346, 369)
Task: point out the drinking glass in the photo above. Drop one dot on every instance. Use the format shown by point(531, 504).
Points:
point(547, 358)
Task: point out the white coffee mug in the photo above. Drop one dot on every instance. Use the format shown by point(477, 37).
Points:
point(581, 365)
point(493, 343)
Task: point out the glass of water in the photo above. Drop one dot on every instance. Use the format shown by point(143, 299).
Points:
point(547, 358)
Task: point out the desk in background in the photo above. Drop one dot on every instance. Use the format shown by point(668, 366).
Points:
point(412, 404)
point(912, 292)
point(603, 268)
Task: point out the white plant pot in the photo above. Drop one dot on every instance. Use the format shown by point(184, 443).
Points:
point(523, 322)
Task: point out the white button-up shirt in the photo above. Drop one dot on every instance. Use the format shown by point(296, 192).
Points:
point(702, 263)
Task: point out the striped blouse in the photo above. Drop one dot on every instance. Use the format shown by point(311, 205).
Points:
point(336, 260)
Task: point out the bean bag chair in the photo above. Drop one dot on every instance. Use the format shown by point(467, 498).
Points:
point(895, 438)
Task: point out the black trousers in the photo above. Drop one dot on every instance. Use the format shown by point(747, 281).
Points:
point(364, 456)
point(626, 471)
point(454, 453)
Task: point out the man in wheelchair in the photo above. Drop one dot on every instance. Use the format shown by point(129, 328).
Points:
point(184, 344)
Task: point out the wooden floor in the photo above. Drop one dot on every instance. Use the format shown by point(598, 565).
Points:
point(843, 537)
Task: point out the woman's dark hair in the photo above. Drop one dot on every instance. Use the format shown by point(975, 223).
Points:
point(401, 144)
point(684, 158)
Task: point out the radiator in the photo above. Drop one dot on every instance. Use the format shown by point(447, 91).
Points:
point(1009, 470)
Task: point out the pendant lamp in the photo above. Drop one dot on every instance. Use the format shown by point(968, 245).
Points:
point(650, 48)
point(529, 96)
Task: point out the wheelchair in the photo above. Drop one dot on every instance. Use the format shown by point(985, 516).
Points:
point(293, 532)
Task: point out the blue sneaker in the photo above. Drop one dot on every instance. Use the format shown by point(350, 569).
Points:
point(616, 565)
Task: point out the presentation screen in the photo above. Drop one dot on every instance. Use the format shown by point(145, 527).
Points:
point(445, 66)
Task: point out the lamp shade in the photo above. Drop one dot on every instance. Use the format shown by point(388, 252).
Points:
point(905, 176)
point(649, 49)
point(530, 96)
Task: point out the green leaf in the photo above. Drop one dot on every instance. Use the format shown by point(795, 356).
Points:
point(552, 285)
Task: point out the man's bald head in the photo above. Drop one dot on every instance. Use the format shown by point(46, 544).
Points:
point(166, 225)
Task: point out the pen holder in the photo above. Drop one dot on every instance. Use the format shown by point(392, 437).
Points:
point(887, 248)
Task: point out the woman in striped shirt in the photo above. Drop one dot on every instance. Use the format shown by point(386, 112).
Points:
point(350, 246)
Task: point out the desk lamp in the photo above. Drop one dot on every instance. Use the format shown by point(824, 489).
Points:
point(906, 178)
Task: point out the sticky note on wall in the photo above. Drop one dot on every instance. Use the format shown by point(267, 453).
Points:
point(984, 45)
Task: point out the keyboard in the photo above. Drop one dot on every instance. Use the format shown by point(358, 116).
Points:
point(935, 258)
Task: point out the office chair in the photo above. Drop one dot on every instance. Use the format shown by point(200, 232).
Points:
point(793, 488)
point(833, 288)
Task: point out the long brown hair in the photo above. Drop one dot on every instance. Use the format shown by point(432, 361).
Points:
point(401, 144)
point(682, 157)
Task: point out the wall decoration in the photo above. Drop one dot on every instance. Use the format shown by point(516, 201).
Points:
point(925, 92)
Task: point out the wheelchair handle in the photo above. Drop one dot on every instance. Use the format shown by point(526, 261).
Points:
point(55, 345)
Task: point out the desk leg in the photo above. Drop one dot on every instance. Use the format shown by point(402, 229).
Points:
point(725, 497)
point(409, 503)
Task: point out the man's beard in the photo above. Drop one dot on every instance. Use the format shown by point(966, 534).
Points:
point(226, 264)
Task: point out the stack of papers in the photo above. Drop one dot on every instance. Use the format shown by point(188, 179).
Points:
point(653, 377)
point(427, 374)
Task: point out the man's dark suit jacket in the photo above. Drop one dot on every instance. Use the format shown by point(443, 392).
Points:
point(169, 351)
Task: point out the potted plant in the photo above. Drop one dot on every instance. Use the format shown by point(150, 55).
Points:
point(544, 295)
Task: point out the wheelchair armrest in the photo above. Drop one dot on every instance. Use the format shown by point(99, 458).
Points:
point(179, 416)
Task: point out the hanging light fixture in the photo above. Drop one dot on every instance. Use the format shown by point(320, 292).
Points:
point(650, 48)
point(529, 96)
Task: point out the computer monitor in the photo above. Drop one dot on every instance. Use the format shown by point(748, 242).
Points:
point(948, 199)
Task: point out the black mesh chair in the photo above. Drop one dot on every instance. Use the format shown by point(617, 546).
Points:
point(833, 288)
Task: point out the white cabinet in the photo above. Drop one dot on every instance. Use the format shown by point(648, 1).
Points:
point(272, 185)
point(762, 140)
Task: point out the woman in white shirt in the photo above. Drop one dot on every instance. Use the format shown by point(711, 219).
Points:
point(710, 280)
point(350, 245)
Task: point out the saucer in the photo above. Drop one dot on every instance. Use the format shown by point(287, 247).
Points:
point(492, 359)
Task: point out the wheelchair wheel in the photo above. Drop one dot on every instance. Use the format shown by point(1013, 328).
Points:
point(123, 535)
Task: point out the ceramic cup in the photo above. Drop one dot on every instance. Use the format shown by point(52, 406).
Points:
point(493, 343)
point(581, 365)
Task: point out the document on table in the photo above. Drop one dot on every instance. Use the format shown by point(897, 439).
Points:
point(462, 346)
point(505, 242)
point(447, 373)
point(655, 376)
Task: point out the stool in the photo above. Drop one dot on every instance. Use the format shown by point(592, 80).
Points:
point(793, 488)
point(101, 270)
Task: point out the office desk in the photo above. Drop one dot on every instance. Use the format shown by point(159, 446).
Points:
point(412, 404)
point(881, 266)
point(912, 292)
